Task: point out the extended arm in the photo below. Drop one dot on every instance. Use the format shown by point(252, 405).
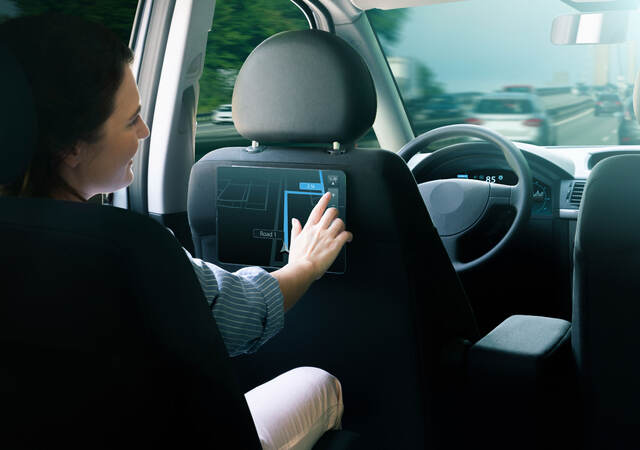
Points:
point(249, 304)
point(313, 250)
point(246, 304)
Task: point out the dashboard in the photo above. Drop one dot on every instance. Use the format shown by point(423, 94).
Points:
point(534, 274)
point(558, 173)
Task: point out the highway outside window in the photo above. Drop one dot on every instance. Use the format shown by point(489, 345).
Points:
point(492, 63)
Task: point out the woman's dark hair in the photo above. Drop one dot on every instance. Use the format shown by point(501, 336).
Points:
point(75, 68)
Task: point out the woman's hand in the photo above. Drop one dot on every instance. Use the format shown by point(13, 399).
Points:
point(317, 245)
point(312, 250)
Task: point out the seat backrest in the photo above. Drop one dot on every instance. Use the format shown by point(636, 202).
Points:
point(380, 327)
point(605, 303)
point(105, 335)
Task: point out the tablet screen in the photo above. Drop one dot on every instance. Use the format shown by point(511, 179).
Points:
point(255, 206)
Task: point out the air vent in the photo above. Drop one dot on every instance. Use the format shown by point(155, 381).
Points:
point(576, 193)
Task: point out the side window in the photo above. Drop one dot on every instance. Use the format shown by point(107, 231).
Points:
point(117, 15)
point(238, 27)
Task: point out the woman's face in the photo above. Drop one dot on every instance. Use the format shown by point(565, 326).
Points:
point(105, 165)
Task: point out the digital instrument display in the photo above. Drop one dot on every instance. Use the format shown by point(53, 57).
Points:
point(491, 176)
point(255, 205)
point(541, 192)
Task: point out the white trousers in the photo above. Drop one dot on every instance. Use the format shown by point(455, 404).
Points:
point(294, 409)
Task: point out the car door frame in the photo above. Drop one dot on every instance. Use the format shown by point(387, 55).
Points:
point(169, 41)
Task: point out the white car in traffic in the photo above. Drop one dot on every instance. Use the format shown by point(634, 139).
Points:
point(222, 114)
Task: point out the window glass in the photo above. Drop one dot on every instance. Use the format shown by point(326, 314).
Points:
point(473, 50)
point(238, 27)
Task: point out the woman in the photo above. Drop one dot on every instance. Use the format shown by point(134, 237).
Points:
point(88, 111)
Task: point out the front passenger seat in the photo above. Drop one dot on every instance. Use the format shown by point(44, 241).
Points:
point(605, 304)
point(304, 98)
point(605, 301)
point(395, 328)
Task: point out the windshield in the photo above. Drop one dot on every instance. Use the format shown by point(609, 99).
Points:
point(473, 49)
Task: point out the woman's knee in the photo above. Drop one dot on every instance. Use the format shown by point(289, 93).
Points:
point(294, 409)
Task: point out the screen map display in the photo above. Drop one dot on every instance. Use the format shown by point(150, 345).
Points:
point(255, 205)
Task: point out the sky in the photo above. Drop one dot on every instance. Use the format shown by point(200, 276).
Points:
point(486, 44)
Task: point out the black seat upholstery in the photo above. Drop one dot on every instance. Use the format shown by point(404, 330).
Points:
point(381, 327)
point(106, 338)
point(605, 303)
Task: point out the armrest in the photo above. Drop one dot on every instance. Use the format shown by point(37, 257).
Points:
point(520, 381)
point(519, 350)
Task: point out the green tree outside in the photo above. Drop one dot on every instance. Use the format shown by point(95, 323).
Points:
point(238, 27)
point(388, 24)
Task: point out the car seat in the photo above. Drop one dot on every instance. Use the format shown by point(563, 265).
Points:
point(396, 327)
point(605, 306)
point(106, 338)
point(304, 98)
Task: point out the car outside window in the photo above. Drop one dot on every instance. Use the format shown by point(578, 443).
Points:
point(629, 112)
point(504, 107)
point(609, 98)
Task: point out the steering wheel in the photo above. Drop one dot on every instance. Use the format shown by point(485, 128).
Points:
point(458, 205)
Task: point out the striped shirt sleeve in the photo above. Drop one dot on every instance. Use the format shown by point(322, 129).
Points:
point(247, 305)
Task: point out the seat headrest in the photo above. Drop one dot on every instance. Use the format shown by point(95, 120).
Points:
point(18, 131)
point(305, 86)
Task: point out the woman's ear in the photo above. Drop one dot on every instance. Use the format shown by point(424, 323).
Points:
point(76, 155)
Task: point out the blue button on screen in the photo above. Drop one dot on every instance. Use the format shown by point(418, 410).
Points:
point(310, 187)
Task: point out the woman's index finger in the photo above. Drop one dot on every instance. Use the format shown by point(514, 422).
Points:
point(318, 210)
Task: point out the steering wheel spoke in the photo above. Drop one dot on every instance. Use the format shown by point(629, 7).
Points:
point(502, 194)
point(452, 245)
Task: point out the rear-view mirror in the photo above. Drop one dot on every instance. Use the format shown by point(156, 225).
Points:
point(594, 28)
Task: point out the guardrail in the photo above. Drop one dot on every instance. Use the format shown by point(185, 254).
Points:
point(553, 90)
point(569, 109)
